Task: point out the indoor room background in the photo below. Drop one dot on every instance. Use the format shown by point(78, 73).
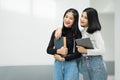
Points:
point(25, 30)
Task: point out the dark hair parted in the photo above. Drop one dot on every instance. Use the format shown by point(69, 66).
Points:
point(75, 28)
point(93, 20)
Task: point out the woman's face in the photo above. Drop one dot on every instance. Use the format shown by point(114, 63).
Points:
point(68, 20)
point(84, 20)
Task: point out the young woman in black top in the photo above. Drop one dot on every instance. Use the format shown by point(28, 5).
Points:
point(65, 67)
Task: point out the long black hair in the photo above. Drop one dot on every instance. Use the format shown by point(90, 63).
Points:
point(75, 28)
point(93, 20)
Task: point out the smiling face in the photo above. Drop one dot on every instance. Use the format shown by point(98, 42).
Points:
point(68, 20)
point(84, 20)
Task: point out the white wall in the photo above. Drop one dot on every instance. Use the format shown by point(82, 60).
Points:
point(26, 27)
point(117, 40)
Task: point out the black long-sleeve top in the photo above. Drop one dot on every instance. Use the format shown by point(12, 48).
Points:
point(70, 44)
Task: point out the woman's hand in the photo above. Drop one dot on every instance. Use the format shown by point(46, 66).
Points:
point(58, 57)
point(81, 49)
point(63, 51)
point(58, 33)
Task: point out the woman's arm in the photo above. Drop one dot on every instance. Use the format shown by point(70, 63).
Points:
point(98, 44)
point(50, 49)
point(59, 57)
point(73, 55)
point(99, 47)
point(68, 57)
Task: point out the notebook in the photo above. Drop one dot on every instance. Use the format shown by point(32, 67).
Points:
point(60, 42)
point(85, 42)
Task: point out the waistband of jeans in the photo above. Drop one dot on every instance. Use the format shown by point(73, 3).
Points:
point(91, 56)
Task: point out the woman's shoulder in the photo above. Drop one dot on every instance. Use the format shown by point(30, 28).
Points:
point(53, 32)
point(97, 33)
